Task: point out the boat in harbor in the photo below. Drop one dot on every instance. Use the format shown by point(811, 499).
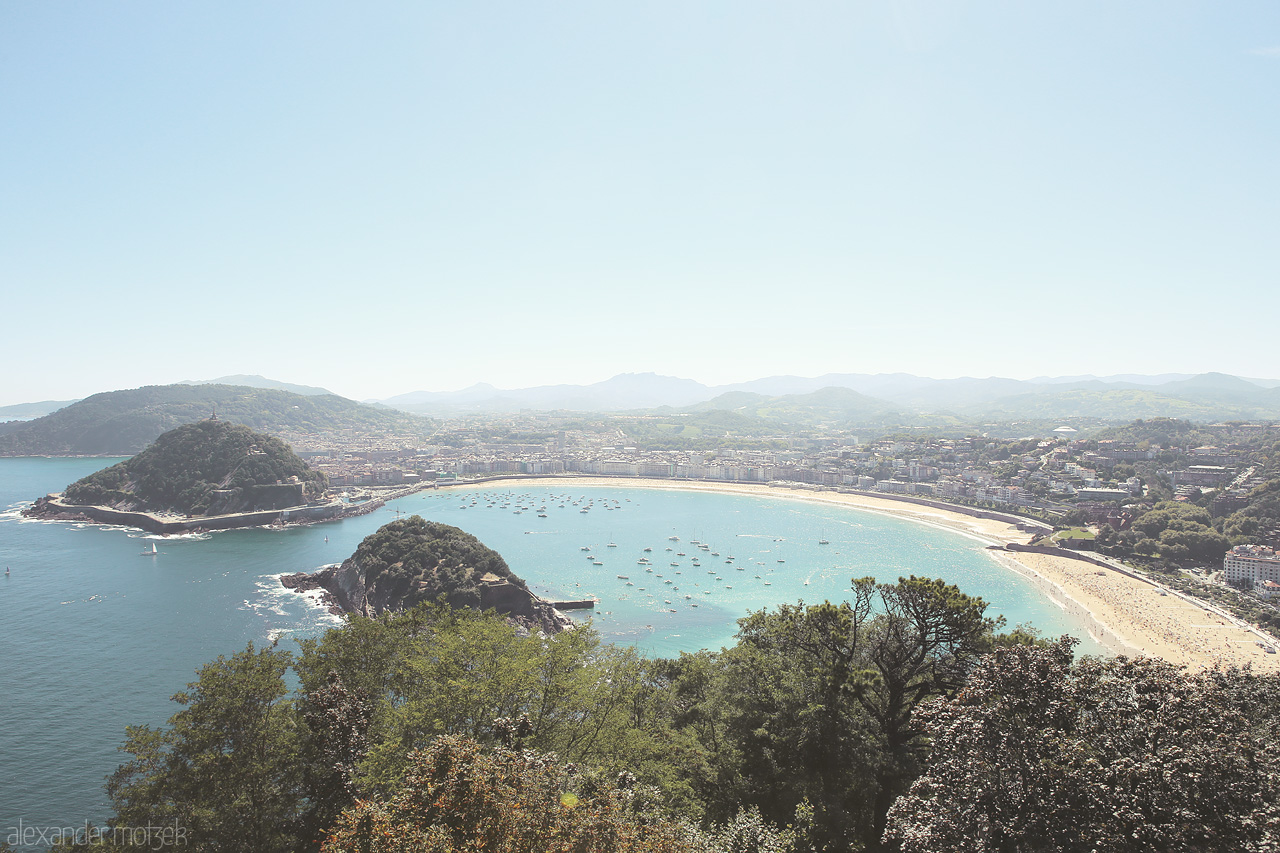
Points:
point(152, 553)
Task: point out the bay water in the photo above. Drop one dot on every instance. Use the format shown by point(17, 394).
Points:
point(96, 635)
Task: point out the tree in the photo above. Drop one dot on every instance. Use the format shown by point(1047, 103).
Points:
point(226, 767)
point(792, 722)
point(433, 670)
point(922, 645)
point(816, 703)
point(337, 733)
point(1038, 753)
point(459, 796)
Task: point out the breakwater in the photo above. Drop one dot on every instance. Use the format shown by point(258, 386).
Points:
point(49, 507)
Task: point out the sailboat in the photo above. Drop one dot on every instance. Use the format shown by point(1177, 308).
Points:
point(153, 552)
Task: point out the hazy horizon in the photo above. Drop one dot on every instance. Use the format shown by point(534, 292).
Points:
point(405, 196)
point(1264, 382)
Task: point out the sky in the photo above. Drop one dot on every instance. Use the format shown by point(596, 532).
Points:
point(378, 198)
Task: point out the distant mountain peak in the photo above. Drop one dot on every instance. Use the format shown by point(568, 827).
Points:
point(252, 380)
point(1202, 395)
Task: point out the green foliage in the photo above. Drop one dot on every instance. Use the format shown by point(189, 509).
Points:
point(748, 832)
point(1175, 531)
point(459, 796)
point(816, 703)
point(1110, 404)
point(446, 729)
point(227, 767)
point(1113, 756)
point(1258, 518)
point(711, 430)
point(416, 560)
point(435, 671)
point(124, 422)
point(201, 469)
point(1166, 432)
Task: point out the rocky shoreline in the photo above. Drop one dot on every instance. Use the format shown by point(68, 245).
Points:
point(343, 592)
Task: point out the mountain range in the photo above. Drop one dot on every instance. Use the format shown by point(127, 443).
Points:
point(1208, 396)
point(125, 421)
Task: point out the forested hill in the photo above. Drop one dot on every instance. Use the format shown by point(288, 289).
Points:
point(410, 561)
point(206, 468)
point(124, 422)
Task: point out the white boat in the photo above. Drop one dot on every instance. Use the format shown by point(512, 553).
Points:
point(152, 553)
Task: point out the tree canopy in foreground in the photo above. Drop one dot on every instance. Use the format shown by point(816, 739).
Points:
point(899, 720)
point(1038, 753)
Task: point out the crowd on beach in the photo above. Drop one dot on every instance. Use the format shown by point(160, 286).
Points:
point(1150, 620)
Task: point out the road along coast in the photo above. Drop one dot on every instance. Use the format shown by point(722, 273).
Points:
point(1126, 614)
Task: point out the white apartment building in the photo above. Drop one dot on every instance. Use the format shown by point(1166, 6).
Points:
point(1256, 563)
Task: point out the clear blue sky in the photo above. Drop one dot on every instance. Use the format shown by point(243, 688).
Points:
point(379, 198)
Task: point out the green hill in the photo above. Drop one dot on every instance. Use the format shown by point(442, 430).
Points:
point(411, 561)
point(206, 468)
point(124, 422)
point(1123, 404)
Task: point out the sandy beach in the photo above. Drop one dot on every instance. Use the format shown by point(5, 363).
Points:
point(1126, 615)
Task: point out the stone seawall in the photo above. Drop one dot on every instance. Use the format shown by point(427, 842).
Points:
point(1082, 556)
point(51, 508)
point(1021, 522)
point(1101, 632)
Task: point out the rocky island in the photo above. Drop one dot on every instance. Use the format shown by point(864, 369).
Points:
point(206, 475)
point(410, 561)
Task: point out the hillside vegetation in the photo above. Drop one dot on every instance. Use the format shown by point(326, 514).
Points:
point(411, 560)
point(124, 422)
point(205, 468)
point(900, 721)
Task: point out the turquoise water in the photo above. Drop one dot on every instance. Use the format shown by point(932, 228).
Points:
point(97, 636)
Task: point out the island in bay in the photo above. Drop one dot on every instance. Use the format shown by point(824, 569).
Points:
point(411, 561)
point(201, 476)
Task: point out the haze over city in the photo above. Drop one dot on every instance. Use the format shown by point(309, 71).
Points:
point(404, 197)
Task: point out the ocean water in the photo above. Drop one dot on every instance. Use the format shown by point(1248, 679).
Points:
point(97, 636)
